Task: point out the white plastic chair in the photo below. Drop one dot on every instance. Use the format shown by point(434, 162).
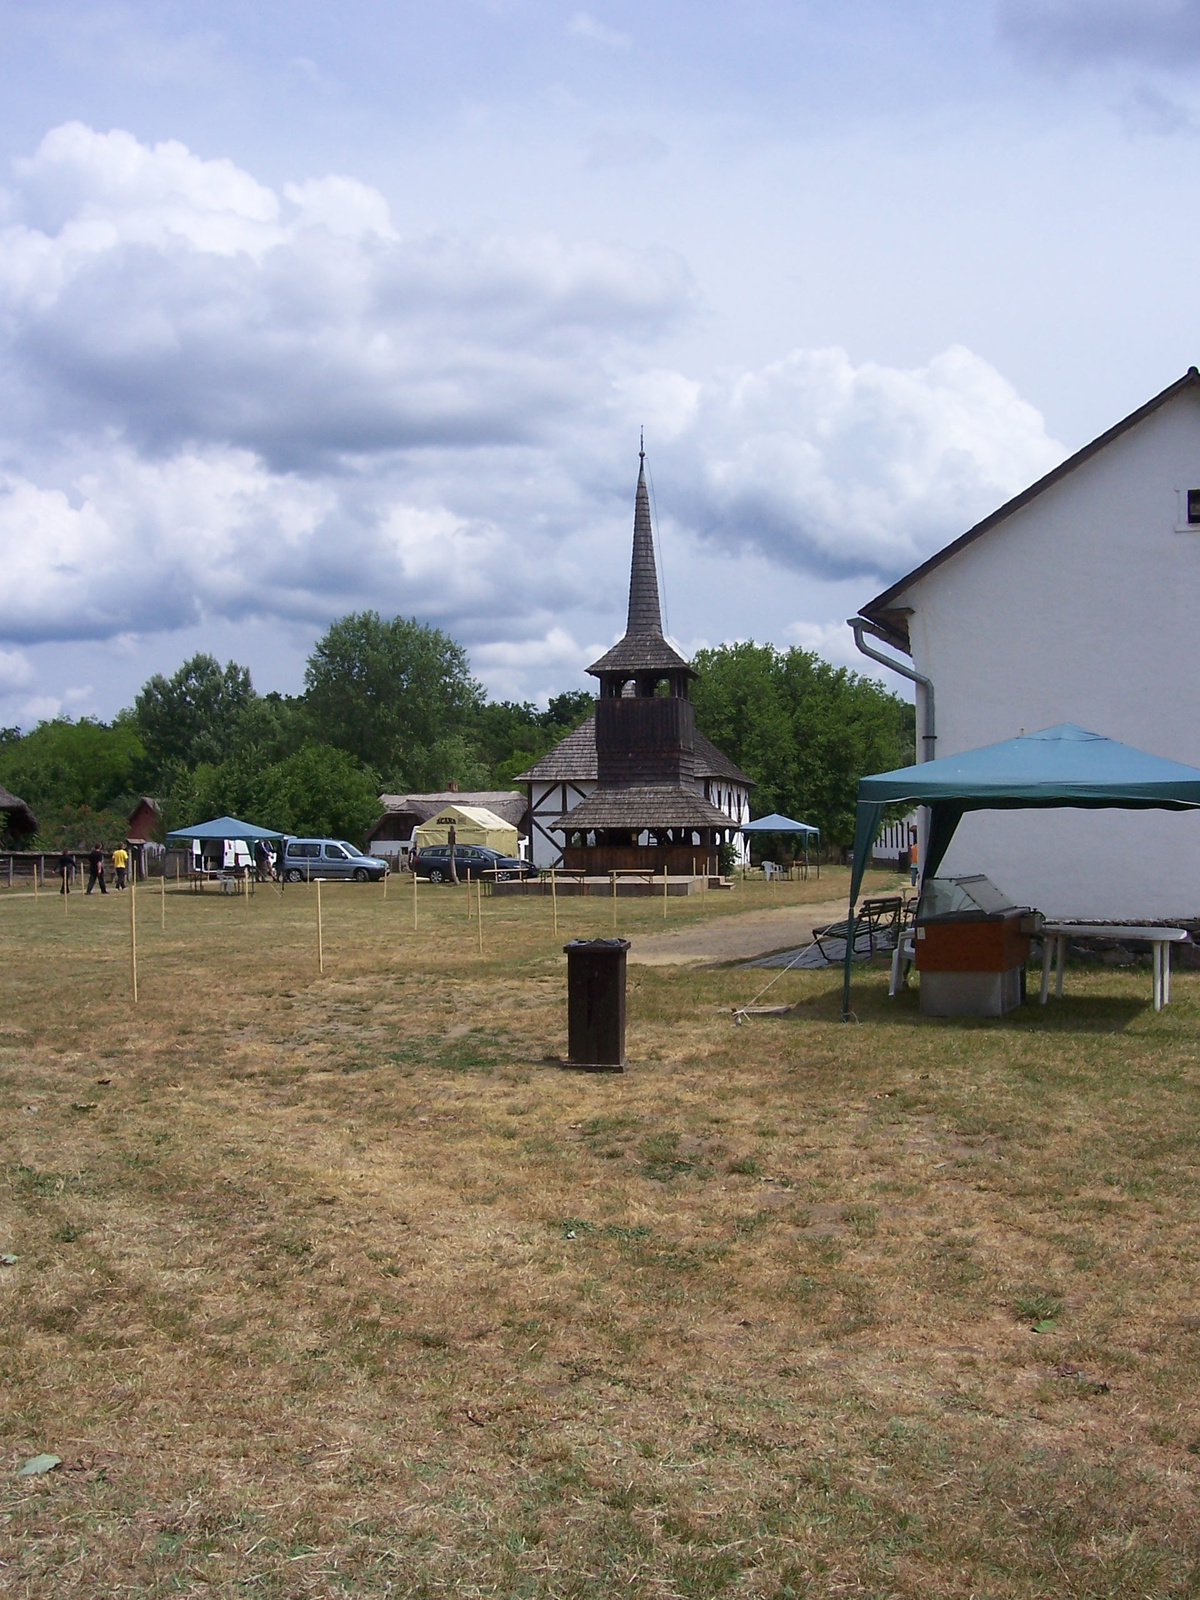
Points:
point(903, 957)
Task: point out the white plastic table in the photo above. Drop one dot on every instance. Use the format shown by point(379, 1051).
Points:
point(1057, 933)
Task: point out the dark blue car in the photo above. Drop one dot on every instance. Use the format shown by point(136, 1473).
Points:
point(470, 861)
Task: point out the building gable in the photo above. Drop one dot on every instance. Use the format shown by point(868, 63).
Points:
point(889, 613)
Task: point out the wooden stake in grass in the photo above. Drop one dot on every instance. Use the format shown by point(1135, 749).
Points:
point(320, 932)
point(478, 909)
point(386, 876)
point(554, 897)
point(612, 880)
point(133, 935)
point(467, 881)
point(665, 881)
point(64, 891)
point(413, 870)
point(162, 898)
point(35, 876)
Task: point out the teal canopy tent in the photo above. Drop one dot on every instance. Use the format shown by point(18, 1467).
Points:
point(1060, 766)
point(224, 828)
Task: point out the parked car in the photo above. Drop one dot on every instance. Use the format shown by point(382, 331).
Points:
point(470, 861)
point(329, 858)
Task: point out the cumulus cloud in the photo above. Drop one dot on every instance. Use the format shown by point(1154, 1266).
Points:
point(16, 671)
point(1066, 33)
point(585, 26)
point(180, 300)
point(844, 469)
point(223, 401)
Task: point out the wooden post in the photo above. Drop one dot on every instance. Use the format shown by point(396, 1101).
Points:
point(162, 898)
point(665, 881)
point(66, 896)
point(35, 877)
point(133, 936)
point(554, 897)
point(467, 881)
point(612, 894)
point(320, 932)
point(413, 870)
point(478, 908)
point(386, 876)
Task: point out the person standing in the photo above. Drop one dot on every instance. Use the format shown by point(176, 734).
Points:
point(66, 870)
point(262, 862)
point(96, 865)
point(120, 863)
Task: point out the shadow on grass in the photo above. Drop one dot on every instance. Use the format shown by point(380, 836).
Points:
point(869, 1003)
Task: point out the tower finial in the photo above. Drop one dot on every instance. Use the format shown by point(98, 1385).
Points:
point(642, 445)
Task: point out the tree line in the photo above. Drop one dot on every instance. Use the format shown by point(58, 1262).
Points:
point(391, 706)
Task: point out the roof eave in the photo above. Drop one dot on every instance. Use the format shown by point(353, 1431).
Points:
point(881, 610)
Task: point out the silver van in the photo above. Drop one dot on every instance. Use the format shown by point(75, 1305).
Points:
point(329, 858)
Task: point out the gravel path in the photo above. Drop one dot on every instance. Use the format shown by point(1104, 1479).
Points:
point(738, 937)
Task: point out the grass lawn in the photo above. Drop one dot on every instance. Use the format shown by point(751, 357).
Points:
point(340, 1285)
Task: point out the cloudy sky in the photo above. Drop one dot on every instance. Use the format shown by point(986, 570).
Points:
point(307, 308)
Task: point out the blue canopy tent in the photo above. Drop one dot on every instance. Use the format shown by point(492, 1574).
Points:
point(776, 823)
point(224, 828)
point(1060, 766)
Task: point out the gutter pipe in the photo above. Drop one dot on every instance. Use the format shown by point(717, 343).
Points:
point(858, 626)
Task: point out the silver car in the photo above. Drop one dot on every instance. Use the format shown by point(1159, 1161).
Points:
point(329, 858)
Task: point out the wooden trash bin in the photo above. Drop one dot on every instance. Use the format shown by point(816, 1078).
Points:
point(596, 1004)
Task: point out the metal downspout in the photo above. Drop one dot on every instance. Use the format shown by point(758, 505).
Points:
point(858, 626)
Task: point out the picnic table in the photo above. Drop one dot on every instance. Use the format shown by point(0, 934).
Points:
point(1056, 934)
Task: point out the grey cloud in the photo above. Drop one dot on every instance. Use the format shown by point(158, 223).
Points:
point(1070, 33)
point(221, 404)
point(1147, 111)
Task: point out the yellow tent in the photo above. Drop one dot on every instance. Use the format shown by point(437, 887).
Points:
point(472, 825)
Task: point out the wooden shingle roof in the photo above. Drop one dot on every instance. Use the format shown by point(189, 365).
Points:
point(658, 806)
point(573, 760)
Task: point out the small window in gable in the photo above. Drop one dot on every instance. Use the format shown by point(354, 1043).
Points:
point(1193, 508)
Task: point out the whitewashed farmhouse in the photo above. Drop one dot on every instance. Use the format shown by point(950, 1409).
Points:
point(1078, 601)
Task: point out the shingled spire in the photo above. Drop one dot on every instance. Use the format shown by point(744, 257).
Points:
point(644, 613)
point(643, 649)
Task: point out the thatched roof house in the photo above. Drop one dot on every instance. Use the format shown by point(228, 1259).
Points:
point(404, 812)
point(18, 819)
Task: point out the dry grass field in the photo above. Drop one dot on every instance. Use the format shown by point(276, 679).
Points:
point(341, 1285)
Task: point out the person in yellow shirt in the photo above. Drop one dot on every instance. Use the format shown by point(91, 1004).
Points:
point(120, 862)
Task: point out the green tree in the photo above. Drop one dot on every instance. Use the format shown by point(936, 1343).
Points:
point(804, 730)
point(319, 790)
point(193, 715)
point(79, 778)
point(512, 735)
point(389, 692)
point(64, 763)
point(269, 728)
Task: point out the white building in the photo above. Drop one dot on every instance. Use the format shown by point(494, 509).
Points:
point(1078, 601)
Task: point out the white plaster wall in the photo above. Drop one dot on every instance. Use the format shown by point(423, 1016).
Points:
point(1082, 607)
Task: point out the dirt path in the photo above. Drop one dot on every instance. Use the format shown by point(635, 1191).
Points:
point(753, 933)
